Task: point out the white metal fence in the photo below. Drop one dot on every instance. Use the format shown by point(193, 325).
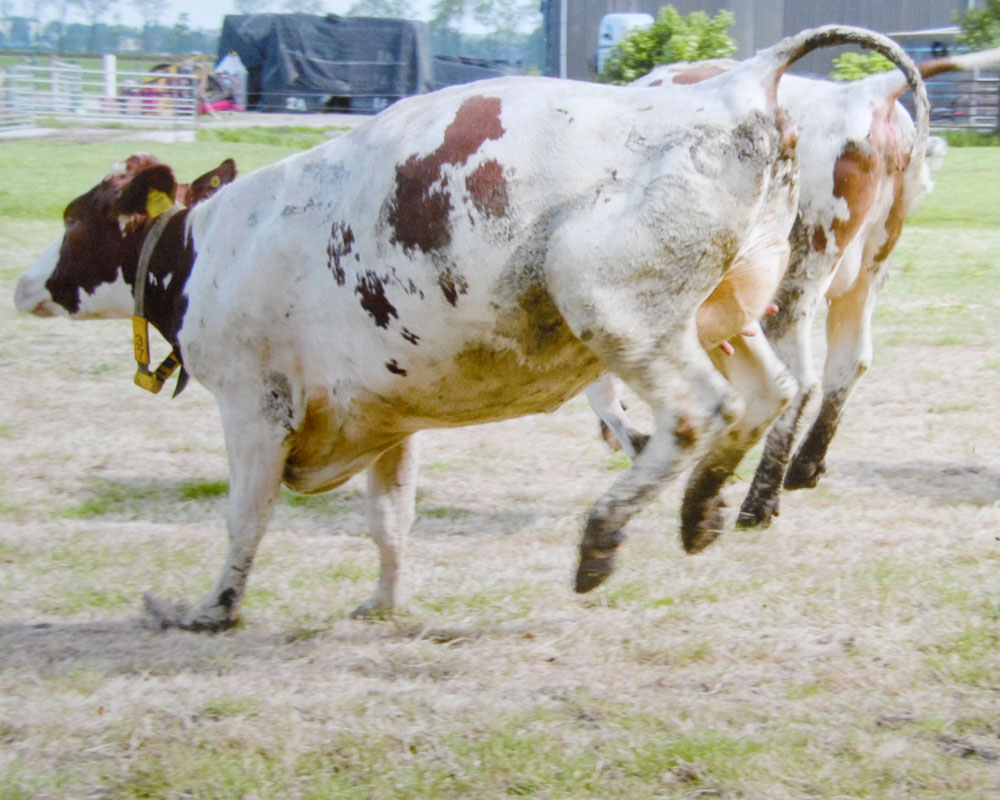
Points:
point(63, 93)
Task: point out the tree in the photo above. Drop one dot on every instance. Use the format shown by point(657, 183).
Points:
point(252, 6)
point(672, 37)
point(150, 11)
point(981, 26)
point(505, 19)
point(400, 9)
point(94, 10)
point(317, 7)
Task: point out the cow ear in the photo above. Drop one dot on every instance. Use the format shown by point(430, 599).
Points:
point(209, 183)
point(150, 192)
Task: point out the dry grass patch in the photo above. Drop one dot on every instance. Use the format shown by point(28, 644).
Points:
point(852, 650)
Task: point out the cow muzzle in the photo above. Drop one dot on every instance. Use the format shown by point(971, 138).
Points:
point(32, 297)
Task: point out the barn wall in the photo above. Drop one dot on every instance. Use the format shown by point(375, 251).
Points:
point(759, 23)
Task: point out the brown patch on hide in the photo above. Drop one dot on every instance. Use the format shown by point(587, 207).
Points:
point(696, 75)
point(340, 245)
point(487, 188)
point(418, 212)
point(894, 221)
point(373, 299)
point(855, 181)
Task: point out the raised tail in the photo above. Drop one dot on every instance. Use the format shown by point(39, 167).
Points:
point(776, 59)
point(966, 61)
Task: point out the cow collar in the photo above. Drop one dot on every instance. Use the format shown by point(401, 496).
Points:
point(151, 381)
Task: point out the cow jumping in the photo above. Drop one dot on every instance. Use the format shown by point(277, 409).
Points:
point(476, 254)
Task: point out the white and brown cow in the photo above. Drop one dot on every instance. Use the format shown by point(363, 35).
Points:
point(861, 168)
point(475, 254)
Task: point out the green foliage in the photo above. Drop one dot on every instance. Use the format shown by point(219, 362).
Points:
point(981, 26)
point(673, 37)
point(854, 66)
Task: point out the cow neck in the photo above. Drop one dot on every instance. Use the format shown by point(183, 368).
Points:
point(153, 380)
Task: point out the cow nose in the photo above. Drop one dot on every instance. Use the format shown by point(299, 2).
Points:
point(31, 296)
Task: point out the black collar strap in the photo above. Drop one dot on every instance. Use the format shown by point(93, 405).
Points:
point(150, 381)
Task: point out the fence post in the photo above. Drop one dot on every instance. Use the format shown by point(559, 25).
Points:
point(110, 82)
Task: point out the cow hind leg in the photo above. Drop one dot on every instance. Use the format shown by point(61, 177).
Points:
point(256, 453)
point(849, 353)
point(766, 386)
point(691, 403)
point(390, 507)
point(616, 429)
point(789, 333)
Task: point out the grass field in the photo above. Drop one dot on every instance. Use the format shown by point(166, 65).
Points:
point(852, 650)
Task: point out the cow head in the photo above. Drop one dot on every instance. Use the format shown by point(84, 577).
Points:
point(90, 270)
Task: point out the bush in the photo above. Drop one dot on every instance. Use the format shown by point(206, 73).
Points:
point(854, 66)
point(673, 37)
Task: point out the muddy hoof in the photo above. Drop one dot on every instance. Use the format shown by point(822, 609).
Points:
point(166, 613)
point(372, 611)
point(597, 556)
point(594, 570)
point(757, 512)
point(804, 474)
point(698, 534)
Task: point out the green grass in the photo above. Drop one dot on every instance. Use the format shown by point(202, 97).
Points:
point(299, 137)
point(29, 163)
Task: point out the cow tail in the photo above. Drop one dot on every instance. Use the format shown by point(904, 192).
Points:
point(775, 60)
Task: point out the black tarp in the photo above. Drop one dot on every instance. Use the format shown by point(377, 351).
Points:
point(301, 62)
point(451, 70)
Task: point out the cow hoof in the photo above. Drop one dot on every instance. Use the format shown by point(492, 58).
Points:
point(597, 556)
point(167, 613)
point(757, 513)
point(372, 610)
point(595, 568)
point(804, 474)
point(698, 535)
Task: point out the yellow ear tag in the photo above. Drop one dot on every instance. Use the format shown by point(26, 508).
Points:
point(216, 182)
point(157, 202)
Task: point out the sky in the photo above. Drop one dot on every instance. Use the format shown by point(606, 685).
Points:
point(209, 13)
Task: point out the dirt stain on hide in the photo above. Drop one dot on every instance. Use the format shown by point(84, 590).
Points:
point(373, 299)
point(819, 239)
point(277, 403)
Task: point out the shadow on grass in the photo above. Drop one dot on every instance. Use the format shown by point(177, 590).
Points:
point(941, 483)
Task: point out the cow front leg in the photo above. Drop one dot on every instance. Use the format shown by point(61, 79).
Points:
point(256, 453)
point(766, 386)
point(390, 507)
point(691, 404)
point(848, 356)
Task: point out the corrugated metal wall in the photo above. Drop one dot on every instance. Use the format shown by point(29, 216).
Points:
point(759, 23)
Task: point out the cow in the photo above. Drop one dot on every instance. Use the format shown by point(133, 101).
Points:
point(861, 170)
point(449, 262)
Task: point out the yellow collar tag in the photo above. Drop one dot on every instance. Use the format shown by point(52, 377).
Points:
point(157, 202)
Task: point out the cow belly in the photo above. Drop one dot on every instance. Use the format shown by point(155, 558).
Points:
point(336, 440)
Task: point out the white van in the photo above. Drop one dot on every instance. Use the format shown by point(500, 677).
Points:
point(614, 28)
